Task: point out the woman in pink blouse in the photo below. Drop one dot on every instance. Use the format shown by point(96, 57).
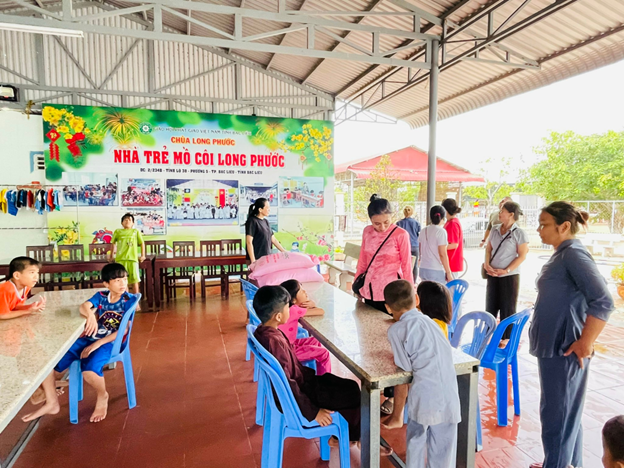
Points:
point(394, 260)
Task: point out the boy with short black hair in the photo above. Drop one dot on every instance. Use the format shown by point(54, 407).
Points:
point(103, 313)
point(434, 409)
point(23, 276)
point(317, 396)
point(613, 443)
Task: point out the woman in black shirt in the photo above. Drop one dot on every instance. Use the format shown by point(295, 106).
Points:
point(258, 232)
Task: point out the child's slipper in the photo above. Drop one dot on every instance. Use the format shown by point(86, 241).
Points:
point(387, 407)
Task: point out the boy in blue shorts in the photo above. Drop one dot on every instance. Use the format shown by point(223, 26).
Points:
point(103, 313)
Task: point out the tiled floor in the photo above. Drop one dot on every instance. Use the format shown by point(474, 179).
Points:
point(196, 403)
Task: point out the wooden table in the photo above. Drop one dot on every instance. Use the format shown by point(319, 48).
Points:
point(94, 265)
point(162, 263)
point(358, 336)
point(30, 347)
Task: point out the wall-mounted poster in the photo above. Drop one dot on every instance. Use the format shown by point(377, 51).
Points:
point(250, 193)
point(89, 189)
point(151, 222)
point(302, 192)
point(200, 202)
point(141, 192)
point(216, 165)
point(273, 219)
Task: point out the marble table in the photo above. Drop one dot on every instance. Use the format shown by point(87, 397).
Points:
point(31, 346)
point(358, 336)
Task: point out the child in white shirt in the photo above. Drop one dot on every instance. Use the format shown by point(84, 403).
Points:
point(433, 406)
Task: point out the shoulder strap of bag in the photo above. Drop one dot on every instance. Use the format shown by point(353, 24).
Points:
point(382, 244)
point(501, 244)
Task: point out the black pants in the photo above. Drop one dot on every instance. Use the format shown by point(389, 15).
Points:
point(334, 393)
point(501, 295)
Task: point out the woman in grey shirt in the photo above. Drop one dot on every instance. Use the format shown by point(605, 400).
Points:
point(506, 250)
point(572, 308)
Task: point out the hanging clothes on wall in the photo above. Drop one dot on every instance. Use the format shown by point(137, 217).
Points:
point(4, 207)
point(11, 200)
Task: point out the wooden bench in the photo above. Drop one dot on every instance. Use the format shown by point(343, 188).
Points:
point(344, 271)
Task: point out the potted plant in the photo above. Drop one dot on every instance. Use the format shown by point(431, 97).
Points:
point(618, 275)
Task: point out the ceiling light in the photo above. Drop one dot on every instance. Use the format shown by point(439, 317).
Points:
point(41, 30)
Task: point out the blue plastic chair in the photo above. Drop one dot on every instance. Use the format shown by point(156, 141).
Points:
point(249, 289)
point(120, 352)
point(284, 418)
point(483, 327)
point(255, 320)
point(498, 359)
point(457, 288)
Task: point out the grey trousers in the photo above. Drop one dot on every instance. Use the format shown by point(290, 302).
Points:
point(437, 444)
point(563, 384)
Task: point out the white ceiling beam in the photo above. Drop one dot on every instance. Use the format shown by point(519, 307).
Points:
point(207, 41)
point(426, 15)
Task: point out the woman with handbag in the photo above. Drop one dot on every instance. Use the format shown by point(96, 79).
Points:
point(385, 255)
point(506, 250)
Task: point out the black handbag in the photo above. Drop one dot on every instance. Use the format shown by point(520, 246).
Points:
point(484, 274)
point(359, 281)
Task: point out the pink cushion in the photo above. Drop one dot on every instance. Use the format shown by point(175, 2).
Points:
point(282, 261)
point(303, 275)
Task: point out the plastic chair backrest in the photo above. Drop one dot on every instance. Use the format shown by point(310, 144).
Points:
point(483, 328)
point(517, 321)
point(274, 371)
point(457, 288)
point(253, 317)
point(249, 289)
point(126, 321)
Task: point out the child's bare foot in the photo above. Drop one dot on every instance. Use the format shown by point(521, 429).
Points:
point(60, 386)
point(101, 408)
point(48, 408)
point(393, 423)
point(383, 451)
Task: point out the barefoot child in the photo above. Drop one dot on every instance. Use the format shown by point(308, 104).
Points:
point(433, 410)
point(103, 313)
point(23, 275)
point(613, 443)
point(309, 348)
point(126, 244)
point(436, 303)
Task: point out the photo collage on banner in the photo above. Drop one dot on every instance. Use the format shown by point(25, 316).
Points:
point(188, 176)
point(250, 193)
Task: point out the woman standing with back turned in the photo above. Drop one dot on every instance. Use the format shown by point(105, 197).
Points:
point(455, 236)
point(572, 308)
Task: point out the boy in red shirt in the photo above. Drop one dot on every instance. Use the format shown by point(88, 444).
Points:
point(23, 275)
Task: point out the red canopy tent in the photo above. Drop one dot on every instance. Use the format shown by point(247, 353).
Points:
point(410, 164)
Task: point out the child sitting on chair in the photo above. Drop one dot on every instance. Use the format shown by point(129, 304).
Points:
point(103, 313)
point(436, 303)
point(317, 396)
point(433, 410)
point(613, 443)
point(306, 349)
point(23, 275)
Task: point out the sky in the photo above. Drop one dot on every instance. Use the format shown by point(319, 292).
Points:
point(589, 103)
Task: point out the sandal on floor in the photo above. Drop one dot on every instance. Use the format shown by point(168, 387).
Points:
point(387, 407)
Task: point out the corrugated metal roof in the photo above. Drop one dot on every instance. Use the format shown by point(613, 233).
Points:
point(585, 35)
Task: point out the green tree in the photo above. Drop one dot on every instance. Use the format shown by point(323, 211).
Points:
point(578, 167)
point(385, 182)
point(495, 187)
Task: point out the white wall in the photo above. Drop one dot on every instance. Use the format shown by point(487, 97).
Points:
point(19, 135)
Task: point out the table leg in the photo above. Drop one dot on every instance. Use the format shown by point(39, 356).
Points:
point(468, 386)
point(370, 426)
point(333, 276)
point(149, 283)
point(158, 272)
